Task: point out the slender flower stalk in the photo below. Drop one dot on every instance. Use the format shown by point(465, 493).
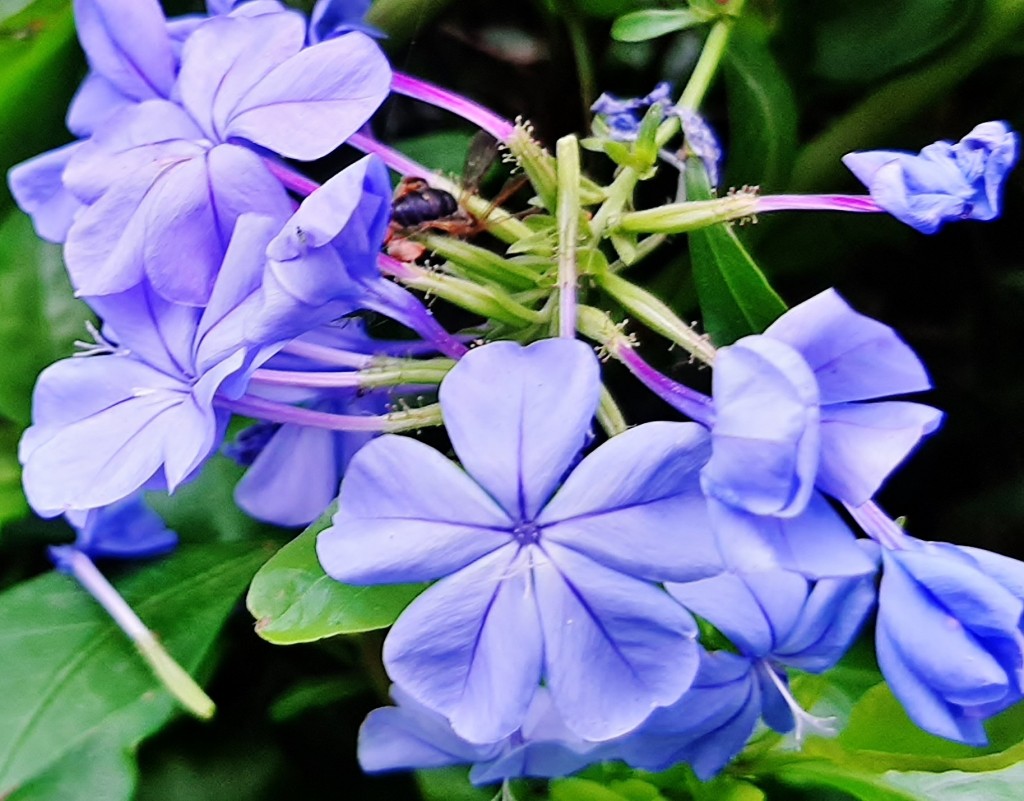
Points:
point(397, 161)
point(332, 357)
point(178, 683)
point(501, 129)
point(854, 203)
point(878, 525)
point(274, 412)
point(291, 179)
point(803, 721)
point(381, 373)
point(568, 215)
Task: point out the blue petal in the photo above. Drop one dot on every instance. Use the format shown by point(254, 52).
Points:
point(406, 513)
point(853, 357)
point(765, 437)
point(125, 530)
point(517, 417)
point(635, 505)
point(754, 610)
point(614, 647)
point(126, 42)
point(95, 102)
point(816, 543)
point(862, 443)
point(450, 650)
point(38, 188)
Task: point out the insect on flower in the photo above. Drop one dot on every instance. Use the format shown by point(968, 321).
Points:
point(418, 207)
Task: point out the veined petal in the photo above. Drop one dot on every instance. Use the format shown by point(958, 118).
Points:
point(470, 647)
point(615, 648)
point(754, 610)
point(98, 455)
point(923, 704)
point(862, 443)
point(765, 439)
point(38, 188)
point(853, 357)
point(817, 543)
point(635, 505)
point(226, 56)
point(517, 417)
point(126, 42)
point(406, 513)
point(963, 672)
point(310, 104)
point(293, 479)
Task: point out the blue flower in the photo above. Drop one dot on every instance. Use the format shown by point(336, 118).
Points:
point(175, 146)
point(538, 581)
point(622, 116)
point(949, 636)
point(944, 182)
point(410, 736)
point(127, 529)
point(777, 620)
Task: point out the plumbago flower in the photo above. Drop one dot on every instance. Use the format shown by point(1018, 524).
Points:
point(944, 182)
point(968, 599)
point(792, 403)
point(411, 736)
point(561, 574)
point(176, 164)
point(127, 529)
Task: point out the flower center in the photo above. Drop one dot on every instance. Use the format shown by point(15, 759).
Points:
point(526, 533)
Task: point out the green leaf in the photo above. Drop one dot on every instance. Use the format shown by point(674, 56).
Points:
point(38, 62)
point(444, 151)
point(815, 775)
point(450, 784)
point(735, 297)
point(70, 674)
point(13, 505)
point(955, 785)
point(39, 316)
point(294, 601)
point(316, 693)
point(763, 148)
point(101, 768)
point(583, 790)
point(899, 34)
point(639, 26)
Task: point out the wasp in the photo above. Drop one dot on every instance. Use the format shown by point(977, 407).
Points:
point(419, 207)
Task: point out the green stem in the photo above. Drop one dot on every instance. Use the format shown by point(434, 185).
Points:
point(568, 216)
point(388, 372)
point(609, 415)
point(480, 263)
point(872, 121)
point(677, 218)
point(581, 53)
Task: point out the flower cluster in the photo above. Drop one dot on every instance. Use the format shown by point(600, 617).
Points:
point(646, 600)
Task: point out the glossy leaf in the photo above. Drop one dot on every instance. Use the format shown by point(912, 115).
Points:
point(762, 149)
point(735, 297)
point(294, 601)
point(101, 768)
point(39, 315)
point(816, 776)
point(639, 26)
point(40, 66)
point(956, 785)
point(70, 674)
point(899, 35)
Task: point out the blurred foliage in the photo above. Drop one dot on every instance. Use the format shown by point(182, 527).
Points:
point(802, 83)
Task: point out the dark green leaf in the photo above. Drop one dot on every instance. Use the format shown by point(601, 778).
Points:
point(316, 693)
point(294, 601)
point(870, 39)
point(39, 68)
point(99, 770)
point(70, 674)
point(735, 297)
point(39, 316)
point(444, 151)
point(763, 147)
point(639, 26)
point(13, 505)
point(450, 784)
point(817, 775)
